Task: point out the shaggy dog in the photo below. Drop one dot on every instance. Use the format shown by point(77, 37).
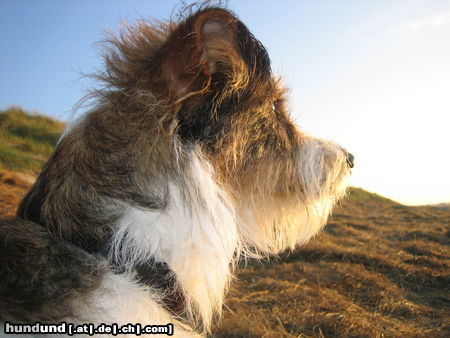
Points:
point(187, 162)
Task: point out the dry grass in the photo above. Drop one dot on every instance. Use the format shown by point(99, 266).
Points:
point(380, 269)
point(13, 186)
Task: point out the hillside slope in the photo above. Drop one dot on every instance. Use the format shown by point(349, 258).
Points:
point(380, 269)
point(26, 140)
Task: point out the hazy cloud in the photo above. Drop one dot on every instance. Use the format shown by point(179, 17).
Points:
point(431, 22)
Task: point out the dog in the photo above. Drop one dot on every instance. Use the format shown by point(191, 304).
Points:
point(187, 162)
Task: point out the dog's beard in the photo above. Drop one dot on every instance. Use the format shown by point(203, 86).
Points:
point(269, 225)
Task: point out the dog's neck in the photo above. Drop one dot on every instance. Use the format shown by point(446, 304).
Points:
point(196, 236)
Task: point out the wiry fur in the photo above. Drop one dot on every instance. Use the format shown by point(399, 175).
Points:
point(187, 162)
point(195, 235)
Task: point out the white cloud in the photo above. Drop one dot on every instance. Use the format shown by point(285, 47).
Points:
point(431, 22)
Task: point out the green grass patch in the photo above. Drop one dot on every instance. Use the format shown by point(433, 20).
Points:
point(27, 140)
point(358, 194)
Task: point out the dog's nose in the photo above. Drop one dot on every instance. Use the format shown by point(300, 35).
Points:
point(350, 160)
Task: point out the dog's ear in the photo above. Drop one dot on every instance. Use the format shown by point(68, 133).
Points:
point(202, 46)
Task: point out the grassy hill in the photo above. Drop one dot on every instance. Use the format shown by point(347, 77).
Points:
point(379, 269)
point(26, 140)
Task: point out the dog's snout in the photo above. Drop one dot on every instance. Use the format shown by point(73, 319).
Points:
point(350, 160)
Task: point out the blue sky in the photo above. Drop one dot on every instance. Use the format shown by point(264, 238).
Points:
point(372, 75)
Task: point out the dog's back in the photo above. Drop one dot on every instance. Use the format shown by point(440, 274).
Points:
point(41, 275)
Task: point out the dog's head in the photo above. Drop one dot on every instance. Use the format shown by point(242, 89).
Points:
point(202, 84)
point(213, 79)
